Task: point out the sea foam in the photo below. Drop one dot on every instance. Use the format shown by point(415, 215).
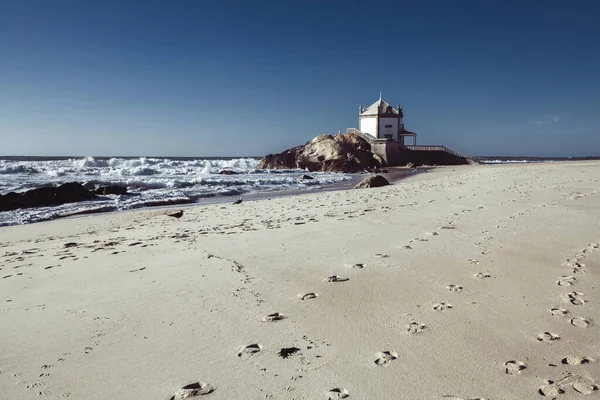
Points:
point(149, 180)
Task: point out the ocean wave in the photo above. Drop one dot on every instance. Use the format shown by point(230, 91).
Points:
point(150, 181)
point(89, 162)
point(18, 169)
point(125, 167)
point(505, 161)
point(56, 172)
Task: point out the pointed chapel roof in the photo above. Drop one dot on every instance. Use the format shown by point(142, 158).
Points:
point(378, 108)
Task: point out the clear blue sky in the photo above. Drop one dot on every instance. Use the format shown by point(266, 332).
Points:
point(233, 78)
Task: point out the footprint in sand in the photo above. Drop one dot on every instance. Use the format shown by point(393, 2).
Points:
point(356, 266)
point(514, 367)
point(415, 327)
point(385, 357)
point(474, 262)
point(482, 275)
point(379, 255)
point(455, 288)
point(585, 385)
point(578, 268)
point(193, 390)
point(565, 280)
point(337, 393)
point(580, 322)
point(551, 389)
point(575, 298)
point(273, 317)
point(335, 278)
point(308, 296)
point(442, 306)
point(557, 311)
point(575, 360)
point(249, 350)
point(547, 337)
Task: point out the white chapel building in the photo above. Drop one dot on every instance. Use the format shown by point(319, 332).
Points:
point(383, 121)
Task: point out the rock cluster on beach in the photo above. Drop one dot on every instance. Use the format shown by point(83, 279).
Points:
point(113, 189)
point(71, 192)
point(371, 182)
point(340, 153)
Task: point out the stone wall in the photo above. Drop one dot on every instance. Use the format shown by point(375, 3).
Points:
point(395, 155)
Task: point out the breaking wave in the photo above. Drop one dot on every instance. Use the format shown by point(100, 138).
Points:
point(150, 181)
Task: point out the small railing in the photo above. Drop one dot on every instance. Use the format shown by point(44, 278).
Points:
point(433, 148)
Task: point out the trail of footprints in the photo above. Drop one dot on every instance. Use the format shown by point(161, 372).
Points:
point(569, 381)
point(578, 383)
point(553, 388)
point(382, 358)
point(46, 370)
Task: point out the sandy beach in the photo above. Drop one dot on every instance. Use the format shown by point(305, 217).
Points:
point(471, 282)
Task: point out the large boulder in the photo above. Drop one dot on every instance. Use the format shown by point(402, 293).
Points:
point(70, 193)
point(46, 196)
point(341, 153)
point(371, 182)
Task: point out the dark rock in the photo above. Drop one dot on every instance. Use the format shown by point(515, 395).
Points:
point(9, 201)
point(113, 189)
point(307, 177)
point(372, 181)
point(228, 172)
point(46, 196)
point(341, 153)
point(89, 185)
point(72, 192)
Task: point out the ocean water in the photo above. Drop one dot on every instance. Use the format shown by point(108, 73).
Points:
point(149, 180)
point(522, 160)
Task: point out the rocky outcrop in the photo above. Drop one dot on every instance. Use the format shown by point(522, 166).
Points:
point(46, 196)
point(371, 182)
point(113, 189)
point(341, 153)
point(228, 172)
